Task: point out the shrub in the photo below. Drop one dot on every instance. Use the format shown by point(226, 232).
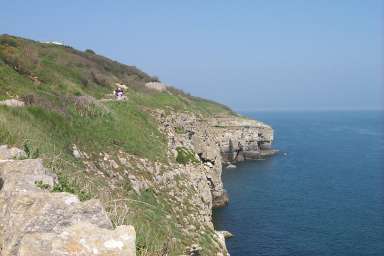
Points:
point(42, 185)
point(186, 156)
point(180, 130)
point(84, 81)
point(98, 78)
point(30, 151)
point(8, 41)
point(90, 51)
point(65, 186)
point(155, 79)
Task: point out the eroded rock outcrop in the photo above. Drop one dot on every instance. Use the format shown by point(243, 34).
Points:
point(157, 86)
point(242, 139)
point(186, 130)
point(35, 221)
point(215, 141)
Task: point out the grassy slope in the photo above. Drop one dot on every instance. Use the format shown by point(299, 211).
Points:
point(52, 78)
point(62, 73)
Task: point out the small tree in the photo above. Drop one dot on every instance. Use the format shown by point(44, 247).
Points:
point(155, 79)
point(90, 51)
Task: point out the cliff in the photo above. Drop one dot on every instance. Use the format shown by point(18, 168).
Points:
point(242, 139)
point(151, 161)
point(215, 141)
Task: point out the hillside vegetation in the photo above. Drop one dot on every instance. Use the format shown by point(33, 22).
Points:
point(66, 94)
point(54, 81)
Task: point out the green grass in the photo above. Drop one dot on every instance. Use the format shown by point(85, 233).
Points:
point(12, 83)
point(151, 216)
point(124, 127)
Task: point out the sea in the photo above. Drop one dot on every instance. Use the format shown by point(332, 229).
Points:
point(323, 194)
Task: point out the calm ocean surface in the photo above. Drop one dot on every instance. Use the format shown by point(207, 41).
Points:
point(325, 197)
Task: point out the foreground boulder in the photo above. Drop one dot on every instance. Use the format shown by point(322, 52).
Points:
point(80, 239)
point(11, 153)
point(12, 103)
point(34, 221)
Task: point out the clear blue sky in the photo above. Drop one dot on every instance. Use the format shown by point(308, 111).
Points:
point(250, 55)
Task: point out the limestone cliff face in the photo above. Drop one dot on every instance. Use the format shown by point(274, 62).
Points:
point(242, 139)
point(184, 187)
point(216, 141)
point(186, 130)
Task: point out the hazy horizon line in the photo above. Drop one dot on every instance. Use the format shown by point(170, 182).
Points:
point(308, 110)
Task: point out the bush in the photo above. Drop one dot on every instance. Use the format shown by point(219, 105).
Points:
point(155, 79)
point(98, 78)
point(30, 151)
point(90, 51)
point(65, 186)
point(8, 41)
point(180, 130)
point(40, 184)
point(186, 156)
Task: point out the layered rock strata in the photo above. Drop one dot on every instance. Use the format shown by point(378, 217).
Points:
point(186, 130)
point(242, 139)
point(216, 141)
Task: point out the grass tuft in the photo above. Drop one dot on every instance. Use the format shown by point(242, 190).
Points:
point(64, 185)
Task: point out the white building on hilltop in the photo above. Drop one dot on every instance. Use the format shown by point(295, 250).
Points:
point(54, 42)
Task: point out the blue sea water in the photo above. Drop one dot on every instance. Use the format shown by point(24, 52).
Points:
point(324, 197)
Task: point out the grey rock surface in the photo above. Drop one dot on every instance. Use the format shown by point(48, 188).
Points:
point(80, 239)
point(241, 139)
point(34, 221)
point(12, 103)
point(11, 153)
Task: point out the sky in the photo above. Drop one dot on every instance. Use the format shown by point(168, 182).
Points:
point(250, 55)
